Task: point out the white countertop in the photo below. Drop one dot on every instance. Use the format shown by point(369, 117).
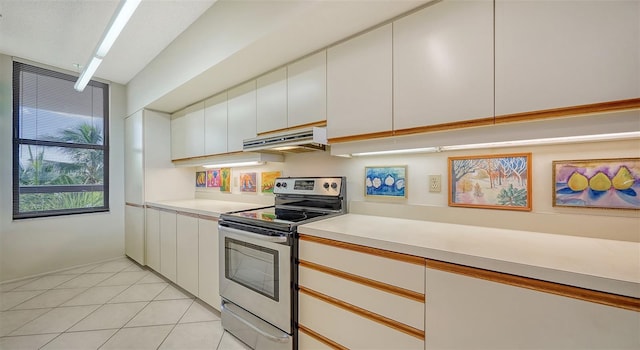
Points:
point(598, 264)
point(208, 207)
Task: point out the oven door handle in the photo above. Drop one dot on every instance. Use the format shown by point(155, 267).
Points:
point(265, 238)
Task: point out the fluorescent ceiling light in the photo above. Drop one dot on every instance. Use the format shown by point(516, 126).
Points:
point(88, 72)
point(398, 151)
point(231, 165)
point(123, 13)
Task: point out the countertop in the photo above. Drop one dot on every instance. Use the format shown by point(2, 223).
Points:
point(207, 207)
point(598, 264)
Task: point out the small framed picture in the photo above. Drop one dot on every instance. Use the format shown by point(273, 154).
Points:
point(494, 181)
point(386, 181)
point(597, 183)
point(268, 180)
point(201, 179)
point(248, 182)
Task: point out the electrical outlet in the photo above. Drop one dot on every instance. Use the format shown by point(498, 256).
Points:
point(435, 183)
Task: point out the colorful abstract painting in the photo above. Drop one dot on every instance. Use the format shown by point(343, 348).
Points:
point(201, 178)
point(248, 182)
point(225, 180)
point(268, 180)
point(213, 178)
point(494, 181)
point(386, 181)
point(597, 183)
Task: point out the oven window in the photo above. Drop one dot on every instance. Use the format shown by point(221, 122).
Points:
point(252, 266)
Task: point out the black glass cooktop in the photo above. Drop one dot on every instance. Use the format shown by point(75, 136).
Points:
point(276, 215)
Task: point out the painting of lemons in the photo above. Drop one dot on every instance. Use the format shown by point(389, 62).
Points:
point(386, 181)
point(201, 178)
point(492, 182)
point(597, 183)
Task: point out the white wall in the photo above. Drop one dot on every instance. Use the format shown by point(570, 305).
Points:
point(424, 205)
point(34, 246)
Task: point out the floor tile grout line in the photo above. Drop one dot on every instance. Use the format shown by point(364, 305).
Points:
point(175, 325)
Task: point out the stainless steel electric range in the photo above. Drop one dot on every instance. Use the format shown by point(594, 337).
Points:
point(257, 259)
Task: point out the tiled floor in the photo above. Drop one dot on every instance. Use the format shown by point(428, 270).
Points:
point(113, 305)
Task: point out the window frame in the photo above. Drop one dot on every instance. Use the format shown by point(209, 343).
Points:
point(19, 67)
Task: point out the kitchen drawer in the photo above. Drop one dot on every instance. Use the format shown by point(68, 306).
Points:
point(307, 342)
point(375, 264)
point(350, 329)
point(397, 307)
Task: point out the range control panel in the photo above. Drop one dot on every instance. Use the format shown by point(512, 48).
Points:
point(321, 186)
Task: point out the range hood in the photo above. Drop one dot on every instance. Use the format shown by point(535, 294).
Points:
point(293, 141)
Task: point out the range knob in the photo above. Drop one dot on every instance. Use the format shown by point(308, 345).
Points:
point(334, 185)
point(278, 184)
point(326, 185)
point(284, 185)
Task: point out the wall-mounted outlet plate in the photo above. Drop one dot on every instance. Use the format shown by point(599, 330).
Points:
point(435, 183)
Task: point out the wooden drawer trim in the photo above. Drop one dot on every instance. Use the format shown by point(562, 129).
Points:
point(186, 213)
point(401, 327)
point(162, 209)
point(409, 294)
point(324, 340)
point(207, 217)
point(411, 259)
point(134, 205)
point(610, 106)
point(615, 300)
point(374, 135)
point(293, 128)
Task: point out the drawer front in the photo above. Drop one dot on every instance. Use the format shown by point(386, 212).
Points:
point(308, 342)
point(350, 329)
point(385, 303)
point(376, 267)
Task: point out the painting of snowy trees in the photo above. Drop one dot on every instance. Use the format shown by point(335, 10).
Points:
point(494, 181)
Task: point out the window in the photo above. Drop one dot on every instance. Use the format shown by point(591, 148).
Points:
point(60, 144)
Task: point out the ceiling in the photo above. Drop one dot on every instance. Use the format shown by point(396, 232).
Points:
point(63, 33)
point(174, 53)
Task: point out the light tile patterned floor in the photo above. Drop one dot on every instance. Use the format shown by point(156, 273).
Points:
point(112, 305)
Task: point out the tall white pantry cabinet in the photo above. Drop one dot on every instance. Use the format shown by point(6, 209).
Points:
point(148, 170)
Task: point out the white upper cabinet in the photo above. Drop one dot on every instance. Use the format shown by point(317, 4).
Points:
point(187, 132)
point(359, 85)
point(215, 124)
point(552, 54)
point(241, 121)
point(443, 64)
point(272, 101)
point(307, 90)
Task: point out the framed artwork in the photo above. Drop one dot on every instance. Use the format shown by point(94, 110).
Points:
point(225, 179)
point(201, 178)
point(248, 182)
point(386, 181)
point(268, 180)
point(213, 178)
point(597, 183)
point(494, 181)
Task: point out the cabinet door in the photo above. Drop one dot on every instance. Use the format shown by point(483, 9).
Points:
point(134, 233)
point(133, 159)
point(187, 253)
point(307, 90)
point(465, 312)
point(272, 101)
point(215, 124)
point(552, 54)
point(208, 284)
point(359, 85)
point(242, 115)
point(168, 245)
point(187, 132)
point(152, 238)
point(443, 64)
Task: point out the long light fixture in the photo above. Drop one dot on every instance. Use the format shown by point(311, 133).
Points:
point(232, 165)
point(121, 16)
point(399, 151)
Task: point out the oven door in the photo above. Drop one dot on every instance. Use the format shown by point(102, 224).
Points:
point(255, 274)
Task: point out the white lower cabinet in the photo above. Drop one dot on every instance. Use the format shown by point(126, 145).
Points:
point(359, 297)
point(134, 232)
point(208, 284)
point(152, 238)
point(187, 252)
point(471, 313)
point(168, 244)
